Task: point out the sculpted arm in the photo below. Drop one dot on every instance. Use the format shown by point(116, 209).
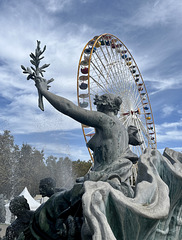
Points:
point(68, 108)
point(133, 136)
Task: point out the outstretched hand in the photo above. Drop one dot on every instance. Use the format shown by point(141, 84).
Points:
point(41, 84)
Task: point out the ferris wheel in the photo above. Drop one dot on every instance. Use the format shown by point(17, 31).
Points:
point(107, 66)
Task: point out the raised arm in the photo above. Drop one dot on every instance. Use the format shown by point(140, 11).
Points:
point(63, 105)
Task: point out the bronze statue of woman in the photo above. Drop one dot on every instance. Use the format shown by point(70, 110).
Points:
point(111, 140)
point(113, 158)
point(112, 163)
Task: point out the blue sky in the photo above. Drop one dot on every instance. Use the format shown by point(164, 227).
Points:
point(150, 29)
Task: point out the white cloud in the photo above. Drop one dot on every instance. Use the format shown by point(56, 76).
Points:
point(159, 84)
point(24, 22)
point(169, 136)
point(169, 132)
point(56, 5)
point(155, 26)
point(167, 110)
point(158, 12)
point(64, 46)
point(172, 124)
point(161, 128)
point(23, 116)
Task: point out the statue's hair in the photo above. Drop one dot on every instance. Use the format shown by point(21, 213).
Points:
point(21, 201)
point(48, 181)
point(108, 101)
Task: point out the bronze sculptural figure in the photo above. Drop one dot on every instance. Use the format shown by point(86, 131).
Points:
point(94, 208)
point(110, 146)
point(20, 208)
point(111, 140)
point(47, 187)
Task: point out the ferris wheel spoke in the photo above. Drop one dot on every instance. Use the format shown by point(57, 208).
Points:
point(128, 85)
point(131, 88)
point(106, 71)
point(101, 86)
point(115, 67)
point(119, 64)
point(121, 72)
point(109, 85)
point(104, 67)
point(136, 97)
point(139, 106)
point(99, 76)
point(99, 71)
point(128, 121)
point(108, 64)
point(138, 101)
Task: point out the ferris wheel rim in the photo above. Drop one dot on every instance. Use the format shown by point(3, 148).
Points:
point(94, 42)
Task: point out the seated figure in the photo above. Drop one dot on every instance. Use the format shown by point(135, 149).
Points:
point(20, 208)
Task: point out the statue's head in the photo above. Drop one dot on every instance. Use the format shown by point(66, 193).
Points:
point(108, 102)
point(19, 205)
point(47, 187)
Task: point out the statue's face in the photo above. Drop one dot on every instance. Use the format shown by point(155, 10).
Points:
point(45, 190)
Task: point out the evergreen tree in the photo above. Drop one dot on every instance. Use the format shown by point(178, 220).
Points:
point(25, 166)
point(31, 168)
point(8, 158)
point(80, 168)
point(51, 166)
